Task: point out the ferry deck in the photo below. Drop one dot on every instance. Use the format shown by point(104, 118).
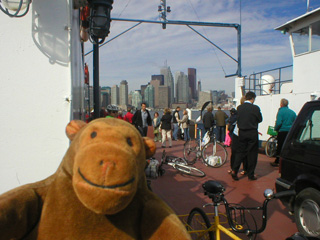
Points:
point(183, 192)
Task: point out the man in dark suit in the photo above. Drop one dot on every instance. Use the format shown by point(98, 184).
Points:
point(249, 116)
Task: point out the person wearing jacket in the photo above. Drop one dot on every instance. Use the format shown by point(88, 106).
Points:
point(142, 119)
point(220, 118)
point(184, 123)
point(249, 117)
point(284, 121)
point(166, 127)
point(208, 120)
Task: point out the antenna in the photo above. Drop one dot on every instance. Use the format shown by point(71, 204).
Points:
point(163, 9)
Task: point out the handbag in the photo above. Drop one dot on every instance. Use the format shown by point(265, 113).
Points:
point(156, 130)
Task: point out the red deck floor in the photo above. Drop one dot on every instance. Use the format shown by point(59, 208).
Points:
point(182, 192)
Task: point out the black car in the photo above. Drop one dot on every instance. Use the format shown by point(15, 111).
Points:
point(300, 169)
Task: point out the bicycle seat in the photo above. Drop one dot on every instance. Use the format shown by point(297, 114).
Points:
point(213, 187)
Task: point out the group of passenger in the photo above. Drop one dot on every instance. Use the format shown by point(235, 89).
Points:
point(243, 127)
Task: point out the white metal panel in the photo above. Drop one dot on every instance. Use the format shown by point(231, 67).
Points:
point(35, 80)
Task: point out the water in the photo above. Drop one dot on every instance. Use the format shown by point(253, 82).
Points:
point(194, 114)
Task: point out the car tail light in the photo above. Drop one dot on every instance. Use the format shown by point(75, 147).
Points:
point(280, 165)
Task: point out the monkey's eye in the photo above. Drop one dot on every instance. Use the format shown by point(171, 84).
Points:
point(129, 142)
point(93, 134)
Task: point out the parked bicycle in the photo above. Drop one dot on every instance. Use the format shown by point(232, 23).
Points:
point(272, 143)
point(179, 164)
point(211, 152)
point(200, 227)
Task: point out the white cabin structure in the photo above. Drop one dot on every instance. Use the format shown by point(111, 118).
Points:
point(304, 36)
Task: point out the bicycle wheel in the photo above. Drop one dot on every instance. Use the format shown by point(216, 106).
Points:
point(198, 222)
point(271, 146)
point(214, 154)
point(189, 170)
point(190, 151)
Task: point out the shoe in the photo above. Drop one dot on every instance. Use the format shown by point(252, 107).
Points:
point(252, 178)
point(229, 171)
point(234, 176)
point(274, 164)
point(163, 146)
point(243, 173)
point(170, 146)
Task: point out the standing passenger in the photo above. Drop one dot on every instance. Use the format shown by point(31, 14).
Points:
point(128, 116)
point(220, 117)
point(166, 127)
point(156, 127)
point(208, 120)
point(142, 119)
point(285, 119)
point(249, 116)
point(185, 125)
point(176, 118)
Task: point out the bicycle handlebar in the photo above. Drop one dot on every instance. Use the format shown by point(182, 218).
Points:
point(263, 208)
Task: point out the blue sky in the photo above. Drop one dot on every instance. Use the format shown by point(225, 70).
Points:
point(141, 52)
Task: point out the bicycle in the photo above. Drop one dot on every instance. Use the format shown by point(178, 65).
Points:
point(272, 143)
point(211, 152)
point(179, 164)
point(200, 227)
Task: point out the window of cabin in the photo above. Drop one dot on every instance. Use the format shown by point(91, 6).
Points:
point(306, 39)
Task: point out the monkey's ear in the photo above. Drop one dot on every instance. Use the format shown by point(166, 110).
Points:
point(150, 147)
point(73, 127)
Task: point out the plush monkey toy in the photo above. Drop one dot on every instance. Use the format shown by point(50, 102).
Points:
point(98, 192)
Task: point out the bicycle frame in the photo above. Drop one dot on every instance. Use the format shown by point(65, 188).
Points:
point(215, 190)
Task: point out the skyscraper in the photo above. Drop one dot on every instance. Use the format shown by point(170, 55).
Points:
point(115, 95)
point(158, 77)
point(142, 88)
point(192, 76)
point(105, 96)
point(136, 99)
point(182, 87)
point(156, 83)
point(168, 81)
point(123, 94)
point(149, 96)
point(164, 96)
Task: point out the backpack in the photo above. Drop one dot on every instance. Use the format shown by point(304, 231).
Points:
point(152, 169)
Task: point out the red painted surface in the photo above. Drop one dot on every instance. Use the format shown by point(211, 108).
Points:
point(182, 192)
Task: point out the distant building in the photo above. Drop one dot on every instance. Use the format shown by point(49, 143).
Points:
point(105, 96)
point(182, 87)
point(163, 96)
point(149, 96)
point(156, 83)
point(123, 94)
point(204, 97)
point(115, 95)
point(192, 77)
point(168, 81)
point(142, 88)
point(199, 89)
point(136, 99)
point(158, 77)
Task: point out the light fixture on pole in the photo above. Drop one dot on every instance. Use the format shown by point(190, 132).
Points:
point(99, 28)
point(15, 5)
point(99, 20)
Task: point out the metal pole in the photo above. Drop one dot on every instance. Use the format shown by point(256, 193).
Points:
point(96, 87)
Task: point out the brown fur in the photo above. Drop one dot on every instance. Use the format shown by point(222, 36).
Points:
point(98, 192)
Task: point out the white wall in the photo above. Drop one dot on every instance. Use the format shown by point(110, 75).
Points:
point(35, 80)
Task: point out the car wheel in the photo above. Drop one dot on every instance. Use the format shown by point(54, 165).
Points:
point(307, 212)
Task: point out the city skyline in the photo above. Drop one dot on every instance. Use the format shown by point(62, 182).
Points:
point(143, 51)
